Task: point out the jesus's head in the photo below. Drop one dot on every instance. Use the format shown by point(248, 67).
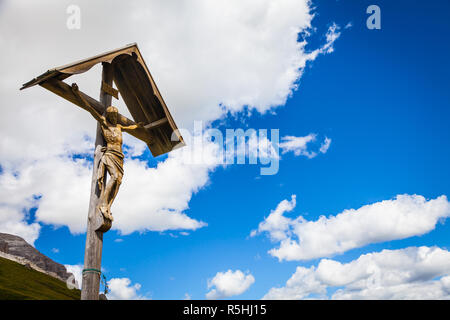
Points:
point(111, 115)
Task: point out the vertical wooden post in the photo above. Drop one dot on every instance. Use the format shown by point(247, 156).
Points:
point(94, 238)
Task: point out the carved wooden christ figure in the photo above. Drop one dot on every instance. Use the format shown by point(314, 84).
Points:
point(112, 155)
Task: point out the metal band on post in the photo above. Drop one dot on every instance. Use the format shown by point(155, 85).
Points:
point(91, 270)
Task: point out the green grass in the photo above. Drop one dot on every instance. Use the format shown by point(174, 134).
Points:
point(18, 282)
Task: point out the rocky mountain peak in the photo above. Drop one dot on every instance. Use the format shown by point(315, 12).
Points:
point(16, 246)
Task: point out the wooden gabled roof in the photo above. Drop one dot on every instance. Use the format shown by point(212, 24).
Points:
point(137, 88)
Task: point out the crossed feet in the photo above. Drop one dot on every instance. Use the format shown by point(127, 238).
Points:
point(106, 213)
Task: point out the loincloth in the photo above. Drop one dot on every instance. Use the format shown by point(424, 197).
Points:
point(112, 160)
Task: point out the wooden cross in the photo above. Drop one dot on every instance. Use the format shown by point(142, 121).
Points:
point(127, 69)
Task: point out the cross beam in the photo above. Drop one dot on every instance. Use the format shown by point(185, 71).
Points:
point(156, 124)
point(63, 90)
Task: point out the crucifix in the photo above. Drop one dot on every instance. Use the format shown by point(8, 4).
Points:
point(152, 124)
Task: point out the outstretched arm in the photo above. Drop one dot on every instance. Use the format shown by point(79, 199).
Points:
point(90, 108)
point(133, 126)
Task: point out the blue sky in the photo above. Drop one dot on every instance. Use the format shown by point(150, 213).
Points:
point(382, 97)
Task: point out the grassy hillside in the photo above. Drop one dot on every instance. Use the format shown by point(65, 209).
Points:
point(18, 282)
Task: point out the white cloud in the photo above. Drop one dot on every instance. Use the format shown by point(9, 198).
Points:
point(300, 145)
point(187, 296)
point(229, 283)
point(258, 146)
point(325, 145)
point(77, 271)
point(276, 224)
point(59, 187)
point(215, 45)
point(122, 289)
point(332, 35)
point(158, 195)
point(12, 221)
point(14, 208)
point(403, 217)
point(215, 53)
point(301, 285)
point(411, 273)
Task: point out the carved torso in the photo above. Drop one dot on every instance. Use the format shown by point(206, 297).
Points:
point(113, 137)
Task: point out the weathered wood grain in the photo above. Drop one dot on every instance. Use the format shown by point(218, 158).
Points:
point(94, 238)
point(63, 90)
